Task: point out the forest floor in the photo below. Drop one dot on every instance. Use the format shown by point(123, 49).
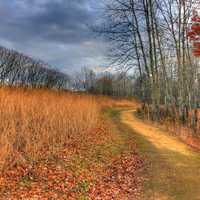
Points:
point(171, 168)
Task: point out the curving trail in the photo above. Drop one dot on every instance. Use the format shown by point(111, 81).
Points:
point(172, 169)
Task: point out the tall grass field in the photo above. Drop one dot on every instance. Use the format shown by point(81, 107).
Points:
point(36, 122)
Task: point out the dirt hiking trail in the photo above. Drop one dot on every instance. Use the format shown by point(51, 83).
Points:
point(172, 169)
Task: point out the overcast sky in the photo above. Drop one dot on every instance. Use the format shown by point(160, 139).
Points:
point(55, 31)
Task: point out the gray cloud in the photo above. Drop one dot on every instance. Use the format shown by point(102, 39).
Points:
point(53, 30)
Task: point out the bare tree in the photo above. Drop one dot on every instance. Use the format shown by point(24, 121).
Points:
point(151, 35)
point(18, 69)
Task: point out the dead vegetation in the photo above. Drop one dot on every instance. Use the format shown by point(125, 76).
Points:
point(58, 145)
point(38, 121)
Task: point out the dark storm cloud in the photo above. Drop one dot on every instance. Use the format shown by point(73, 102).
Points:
point(54, 30)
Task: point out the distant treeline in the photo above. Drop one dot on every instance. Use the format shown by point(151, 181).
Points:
point(110, 84)
point(20, 70)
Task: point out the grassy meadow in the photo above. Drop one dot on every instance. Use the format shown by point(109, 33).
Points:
point(62, 145)
point(34, 122)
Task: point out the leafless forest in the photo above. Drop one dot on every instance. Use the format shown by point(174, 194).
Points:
point(152, 36)
point(18, 69)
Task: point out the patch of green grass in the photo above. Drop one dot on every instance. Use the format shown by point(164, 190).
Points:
point(112, 113)
point(83, 198)
point(126, 136)
point(26, 181)
point(83, 187)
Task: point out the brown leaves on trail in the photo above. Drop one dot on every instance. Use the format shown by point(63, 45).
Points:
point(86, 169)
point(41, 182)
point(51, 181)
point(120, 181)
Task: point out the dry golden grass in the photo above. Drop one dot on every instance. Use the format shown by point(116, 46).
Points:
point(34, 123)
point(64, 146)
point(107, 102)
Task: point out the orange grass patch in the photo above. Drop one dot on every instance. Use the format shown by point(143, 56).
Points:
point(59, 145)
point(40, 122)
